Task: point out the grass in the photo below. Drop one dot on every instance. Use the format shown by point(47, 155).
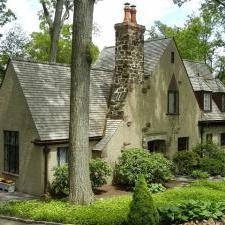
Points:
point(109, 211)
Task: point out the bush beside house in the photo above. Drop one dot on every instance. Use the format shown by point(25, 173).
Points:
point(133, 162)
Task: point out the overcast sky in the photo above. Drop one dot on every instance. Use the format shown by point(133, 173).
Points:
point(108, 12)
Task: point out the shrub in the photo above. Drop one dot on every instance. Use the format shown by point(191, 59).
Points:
point(212, 166)
point(199, 174)
point(207, 150)
point(60, 184)
point(192, 210)
point(185, 162)
point(142, 208)
point(99, 170)
point(133, 162)
point(155, 188)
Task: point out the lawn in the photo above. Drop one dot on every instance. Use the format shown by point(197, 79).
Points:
point(109, 211)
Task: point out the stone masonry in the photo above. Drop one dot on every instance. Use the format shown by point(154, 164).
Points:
point(129, 60)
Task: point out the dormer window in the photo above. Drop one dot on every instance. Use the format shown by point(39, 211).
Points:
point(223, 103)
point(207, 102)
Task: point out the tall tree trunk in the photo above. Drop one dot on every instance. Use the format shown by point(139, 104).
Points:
point(55, 31)
point(80, 184)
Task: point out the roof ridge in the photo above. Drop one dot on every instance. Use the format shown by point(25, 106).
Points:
point(40, 62)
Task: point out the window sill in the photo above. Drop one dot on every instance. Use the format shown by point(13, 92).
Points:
point(10, 174)
point(172, 114)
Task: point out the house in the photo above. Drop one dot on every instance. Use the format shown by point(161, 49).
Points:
point(142, 95)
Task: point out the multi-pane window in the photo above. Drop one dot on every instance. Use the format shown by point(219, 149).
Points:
point(11, 151)
point(62, 155)
point(173, 102)
point(222, 139)
point(207, 102)
point(172, 57)
point(183, 143)
point(223, 103)
point(209, 138)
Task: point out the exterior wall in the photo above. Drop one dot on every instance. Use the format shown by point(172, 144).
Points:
point(215, 131)
point(15, 116)
point(146, 111)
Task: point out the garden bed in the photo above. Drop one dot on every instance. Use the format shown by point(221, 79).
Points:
point(111, 211)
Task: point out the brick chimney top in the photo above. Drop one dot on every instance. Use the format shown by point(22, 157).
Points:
point(127, 13)
point(133, 13)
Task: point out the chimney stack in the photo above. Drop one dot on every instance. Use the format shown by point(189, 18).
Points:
point(127, 13)
point(133, 13)
point(129, 59)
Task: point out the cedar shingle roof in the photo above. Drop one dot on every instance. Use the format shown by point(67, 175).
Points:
point(153, 51)
point(202, 80)
point(46, 88)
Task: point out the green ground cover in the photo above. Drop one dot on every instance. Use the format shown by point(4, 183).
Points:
point(112, 210)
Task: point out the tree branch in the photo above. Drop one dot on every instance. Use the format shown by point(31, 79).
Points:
point(220, 2)
point(47, 14)
point(69, 6)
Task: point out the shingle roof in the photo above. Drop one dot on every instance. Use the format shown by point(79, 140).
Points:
point(153, 51)
point(46, 88)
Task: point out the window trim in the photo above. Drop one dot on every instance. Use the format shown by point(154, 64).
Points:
point(223, 102)
point(187, 143)
point(222, 142)
point(210, 102)
point(176, 102)
point(11, 169)
point(207, 137)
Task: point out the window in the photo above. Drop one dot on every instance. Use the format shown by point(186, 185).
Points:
point(172, 57)
point(11, 151)
point(222, 139)
point(209, 138)
point(223, 103)
point(173, 102)
point(207, 102)
point(62, 155)
point(183, 143)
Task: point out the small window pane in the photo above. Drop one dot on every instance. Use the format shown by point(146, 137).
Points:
point(183, 143)
point(209, 138)
point(62, 155)
point(172, 57)
point(207, 101)
point(222, 141)
point(223, 103)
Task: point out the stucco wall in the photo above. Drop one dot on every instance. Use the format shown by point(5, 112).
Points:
point(15, 116)
point(150, 108)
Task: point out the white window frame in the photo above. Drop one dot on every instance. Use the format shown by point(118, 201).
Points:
point(207, 101)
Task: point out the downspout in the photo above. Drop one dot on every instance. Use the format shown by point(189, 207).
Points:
point(46, 151)
point(202, 132)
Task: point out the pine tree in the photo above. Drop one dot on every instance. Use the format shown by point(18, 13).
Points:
point(142, 208)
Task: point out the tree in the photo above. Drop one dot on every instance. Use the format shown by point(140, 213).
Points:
point(39, 46)
point(142, 208)
point(216, 2)
point(6, 15)
point(79, 154)
point(13, 46)
point(197, 40)
point(55, 12)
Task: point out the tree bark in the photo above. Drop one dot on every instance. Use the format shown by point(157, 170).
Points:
point(79, 153)
point(55, 31)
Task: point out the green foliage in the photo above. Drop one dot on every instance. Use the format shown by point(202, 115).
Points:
point(142, 208)
point(99, 170)
point(6, 15)
point(212, 166)
point(199, 174)
point(133, 162)
point(60, 184)
point(92, 53)
point(192, 210)
point(185, 162)
point(207, 150)
point(114, 210)
point(156, 188)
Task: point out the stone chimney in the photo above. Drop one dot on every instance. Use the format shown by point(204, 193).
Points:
point(129, 59)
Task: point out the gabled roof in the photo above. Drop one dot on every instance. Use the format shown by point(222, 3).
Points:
point(153, 51)
point(46, 88)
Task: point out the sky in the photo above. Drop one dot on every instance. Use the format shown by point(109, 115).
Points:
point(108, 12)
